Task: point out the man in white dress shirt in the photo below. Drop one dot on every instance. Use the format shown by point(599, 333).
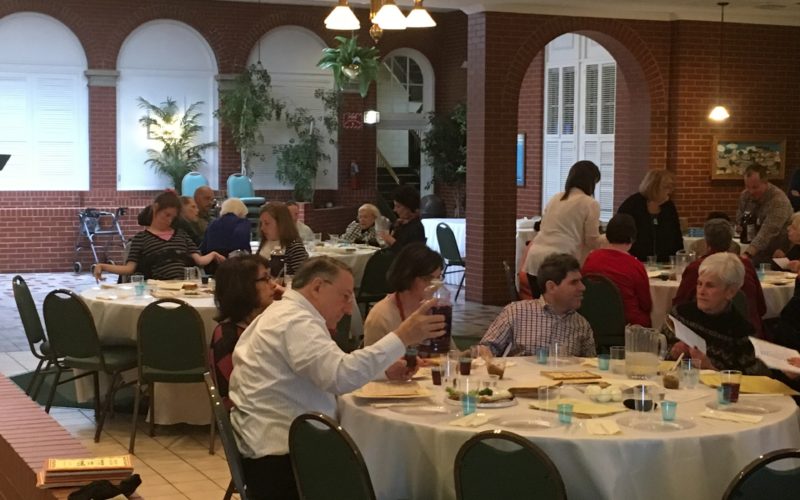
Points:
point(286, 364)
point(306, 234)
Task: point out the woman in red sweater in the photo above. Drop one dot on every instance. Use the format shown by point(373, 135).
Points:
point(615, 263)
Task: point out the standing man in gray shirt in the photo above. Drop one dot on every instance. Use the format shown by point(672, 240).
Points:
point(772, 210)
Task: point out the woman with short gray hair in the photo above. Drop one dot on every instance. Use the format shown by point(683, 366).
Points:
point(713, 318)
point(231, 231)
point(362, 230)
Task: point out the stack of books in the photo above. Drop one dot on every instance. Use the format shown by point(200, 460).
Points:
point(74, 472)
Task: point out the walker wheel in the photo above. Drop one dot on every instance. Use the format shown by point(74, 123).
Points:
point(76, 266)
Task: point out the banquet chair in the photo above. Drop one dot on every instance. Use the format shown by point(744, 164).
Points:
point(325, 460)
point(37, 340)
point(191, 182)
point(73, 335)
point(240, 186)
point(517, 468)
point(373, 286)
point(511, 282)
point(448, 247)
point(342, 335)
point(760, 481)
point(603, 309)
point(234, 458)
point(171, 348)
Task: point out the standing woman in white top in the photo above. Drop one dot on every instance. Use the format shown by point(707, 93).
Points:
point(570, 223)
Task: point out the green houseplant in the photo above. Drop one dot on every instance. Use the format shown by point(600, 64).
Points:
point(445, 146)
point(245, 106)
point(179, 154)
point(351, 63)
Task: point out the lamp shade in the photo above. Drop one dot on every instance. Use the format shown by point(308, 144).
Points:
point(342, 18)
point(719, 114)
point(419, 17)
point(389, 17)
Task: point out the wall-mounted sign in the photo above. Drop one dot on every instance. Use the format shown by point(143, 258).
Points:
point(352, 121)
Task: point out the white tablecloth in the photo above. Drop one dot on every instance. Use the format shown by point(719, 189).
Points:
point(662, 293)
point(688, 241)
point(459, 227)
point(116, 323)
point(412, 456)
point(357, 260)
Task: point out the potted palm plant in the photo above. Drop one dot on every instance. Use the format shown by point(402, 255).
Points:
point(351, 63)
point(179, 154)
point(445, 145)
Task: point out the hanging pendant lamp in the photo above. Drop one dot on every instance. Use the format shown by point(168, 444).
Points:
point(342, 18)
point(720, 113)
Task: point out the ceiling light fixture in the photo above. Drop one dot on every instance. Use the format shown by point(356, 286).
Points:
point(389, 17)
point(342, 18)
point(419, 17)
point(720, 113)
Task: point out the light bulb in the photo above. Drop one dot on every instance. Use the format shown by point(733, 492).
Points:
point(342, 18)
point(719, 114)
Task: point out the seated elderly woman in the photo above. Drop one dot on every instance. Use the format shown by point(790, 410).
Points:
point(793, 251)
point(713, 318)
point(244, 289)
point(623, 269)
point(231, 231)
point(161, 252)
point(363, 229)
point(280, 241)
point(412, 270)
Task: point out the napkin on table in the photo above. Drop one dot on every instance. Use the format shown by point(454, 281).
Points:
point(471, 420)
point(602, 427)
point(731, 416)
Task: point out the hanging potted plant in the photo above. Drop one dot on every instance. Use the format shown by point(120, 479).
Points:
point(179, 154)
point(445, 145)
point(244, 107)
point(351, 63)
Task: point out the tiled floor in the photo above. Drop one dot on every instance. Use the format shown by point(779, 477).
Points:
point(174, 464)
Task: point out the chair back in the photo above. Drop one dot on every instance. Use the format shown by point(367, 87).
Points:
point(326, 461)
point(373, 284)
point(171, 338)
point(448, 247)
point(232, 454)
point(517, 468)
point(28, 314)
point(191, 182)
point(71, 326)
point(342, 335)
point(603, 308)
point(240, 186)
point(757, 480)
point(511, 282)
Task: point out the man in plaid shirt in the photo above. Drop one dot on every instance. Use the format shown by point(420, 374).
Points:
point(525, 326)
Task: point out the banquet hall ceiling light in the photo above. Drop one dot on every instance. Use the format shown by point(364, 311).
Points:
point(419, 17)
point(342, 18)
point(720, 113)
point(389, 17)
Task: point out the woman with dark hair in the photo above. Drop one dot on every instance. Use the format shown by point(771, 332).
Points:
point(407, 228)
point(413, 269)
point(570, 223)
point(615, 263)
point(188, 219)
point(657, 224)
point(161, 252)
point(280, 240)
point(243, 290)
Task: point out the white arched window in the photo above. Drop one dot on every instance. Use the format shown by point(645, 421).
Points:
point(290, 55)
point(405, 97)
point(43, 105)
point(162, 59)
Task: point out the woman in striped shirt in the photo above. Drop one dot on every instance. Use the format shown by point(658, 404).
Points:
point(279, 232)
point(160, 251)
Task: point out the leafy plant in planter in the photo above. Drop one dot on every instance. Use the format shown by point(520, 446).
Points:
point(445, 145)
point(176, 132)
point(245, 106)
point(351, 63)
point(298, 161)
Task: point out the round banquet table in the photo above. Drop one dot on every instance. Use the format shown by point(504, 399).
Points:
point(412, 456)
point(357, 260)
point(662, 292)
point(116, 320)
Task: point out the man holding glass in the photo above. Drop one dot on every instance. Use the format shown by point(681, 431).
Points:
point(286, 364)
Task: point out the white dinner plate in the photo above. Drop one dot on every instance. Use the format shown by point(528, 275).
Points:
point(504, 403)
point(750, 407)
point(652, 423)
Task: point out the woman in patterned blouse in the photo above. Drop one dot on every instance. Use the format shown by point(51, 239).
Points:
point(278, 231)
point(363, 229)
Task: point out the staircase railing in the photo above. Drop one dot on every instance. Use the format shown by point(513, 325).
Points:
point(382, 162)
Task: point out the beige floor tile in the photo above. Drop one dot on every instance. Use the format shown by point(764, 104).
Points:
point(185, 477)
point(159, 491)
point(206, 495)
point(202, 486)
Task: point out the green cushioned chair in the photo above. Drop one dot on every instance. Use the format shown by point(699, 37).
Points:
point(448, 248)
point(73, 335)
point(603, 309)
point(171, 349)
point(759, 481)
point(326, 461)
point(516, 468)
point(232, 455)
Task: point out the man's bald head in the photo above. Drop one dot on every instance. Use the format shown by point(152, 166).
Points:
point(204, 197)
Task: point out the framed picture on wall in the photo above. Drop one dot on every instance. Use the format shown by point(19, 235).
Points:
point(731, 155)
point(520, 160)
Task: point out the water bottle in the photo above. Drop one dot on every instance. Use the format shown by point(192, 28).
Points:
point(439, 345)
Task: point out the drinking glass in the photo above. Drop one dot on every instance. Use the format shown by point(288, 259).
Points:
point(556, 352)
point(138, 284)
point(673, 261)
point(451, 364)
point(763, 269)
point(464, 363)
point(617, 360)
point(496, 366)
point(411, 357)
point(334, 239)
point(541, 355)
point(436, 374)
point(191, 274)
point(652, 263)
point(642, 398)
point(668, 410)
point(565, 413)
point(547, 396)
point(731, 381)
point(603, 361)
point(287, 280)
point(690, 373)
point(469, 401)
point(317, 237)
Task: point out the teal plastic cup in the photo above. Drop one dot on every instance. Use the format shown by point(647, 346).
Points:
point(668, 410)
point(602, 361)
